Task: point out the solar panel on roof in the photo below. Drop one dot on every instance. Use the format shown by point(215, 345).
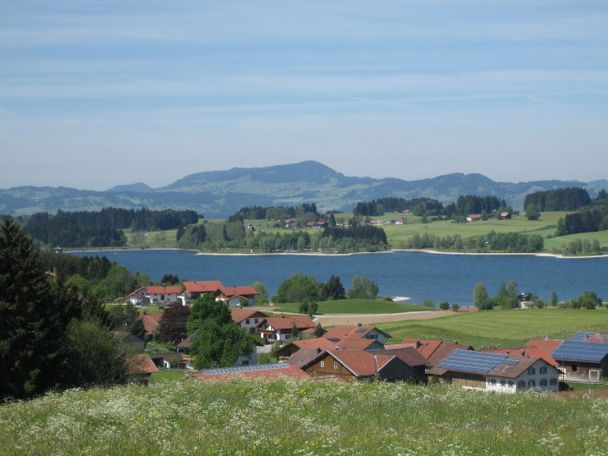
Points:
point(581, 336)
point(249, 368)
point(578, 350)
point(478, 362)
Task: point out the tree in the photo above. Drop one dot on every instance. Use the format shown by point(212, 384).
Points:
point(363, 287)
point(554, 299)
point(532, 212)
point(333, 289)
point(480, 297)
point(444, 305)
point(298, 288)
point(217, 341)
point(319, 331)
point(455, 307)
point(170, 279)
point(172, 326)
point(294, 332)
point(262, 297)
point(507, 296)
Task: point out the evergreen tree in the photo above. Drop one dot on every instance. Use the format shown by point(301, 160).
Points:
point(480, 297)
point(554, 299)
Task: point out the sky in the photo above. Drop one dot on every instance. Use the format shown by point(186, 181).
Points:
point(99, 93)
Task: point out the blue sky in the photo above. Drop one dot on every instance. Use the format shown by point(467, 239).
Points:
point(98, 93)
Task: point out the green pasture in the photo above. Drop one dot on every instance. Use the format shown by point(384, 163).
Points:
point(356, 306)
point(150, 239)
point(502, 328)
point(167, 376)
point(192, 417)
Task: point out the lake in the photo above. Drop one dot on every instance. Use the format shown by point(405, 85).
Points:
point(417, 275)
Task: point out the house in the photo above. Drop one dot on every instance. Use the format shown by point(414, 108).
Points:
point(338, 333)
point(583, 358)
point(350, 365)
point(505, 215)
point(169, 360)
point(248, 319)
point(316, 224)
point(141, 367)
point(279, 329)
point(473, 217)
point(318, 344)
point(196, 289)
point(290, 223)
point(433, 350)
point(495, 372)
point(151, 323)
point(233, 296)
point(237, 296)
point(257, 372)
point(155, 295)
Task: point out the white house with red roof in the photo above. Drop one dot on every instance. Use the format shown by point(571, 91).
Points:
point(338, 333)
point(279, 329)
point(235, 296)
point(155, 294)
point(248, 319)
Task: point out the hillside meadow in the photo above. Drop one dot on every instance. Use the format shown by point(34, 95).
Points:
point(189, 417)
point(502, 328)
point(356, 306)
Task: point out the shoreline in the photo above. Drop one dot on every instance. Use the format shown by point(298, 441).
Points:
point(319, 254)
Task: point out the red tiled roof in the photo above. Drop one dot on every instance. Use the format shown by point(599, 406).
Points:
point(536, 348)
point(426, 347)
point(443, 350)
point(208, 286)
point(355, 344)
point(288, 321)
point(409, 355)
point(244, 291)
point(151, 322)
point(161, 290)
point(141, 364)
point(239, 315)
point(360, 363)
point(352, 332)
point(291, 371)
point(313, 344)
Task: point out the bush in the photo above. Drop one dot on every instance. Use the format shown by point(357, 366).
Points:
point(363, 287)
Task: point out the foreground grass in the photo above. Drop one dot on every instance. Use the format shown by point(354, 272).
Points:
point(287, 417)
point(168, 376)
point(502, 328)
point(357, 306)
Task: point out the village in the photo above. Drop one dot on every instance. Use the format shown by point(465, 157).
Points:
point(304, 350)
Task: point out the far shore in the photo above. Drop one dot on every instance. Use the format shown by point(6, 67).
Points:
point(320, 254)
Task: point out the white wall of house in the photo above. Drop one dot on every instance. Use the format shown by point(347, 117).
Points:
point(249, 323)
point(539, 377)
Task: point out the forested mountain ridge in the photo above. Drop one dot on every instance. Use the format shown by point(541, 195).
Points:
point(221, 193)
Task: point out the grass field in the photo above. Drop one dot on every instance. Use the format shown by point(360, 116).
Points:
point(190, 417)
point(502, 328)
point(150, 239)
point(356, 306)
point(167, 376)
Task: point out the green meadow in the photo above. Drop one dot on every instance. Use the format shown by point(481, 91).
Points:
point(502, 328)
point(284, 417)
point(356, 306)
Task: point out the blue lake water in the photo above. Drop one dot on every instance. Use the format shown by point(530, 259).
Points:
point(417, 275)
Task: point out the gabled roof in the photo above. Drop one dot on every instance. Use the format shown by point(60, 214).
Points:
point(161, 290)
point(526, 353)
point(244, 291)
point(256, 371)
point(208, 286)
point(141, 364)
point(151, 322)
point(408, 355)
point(354, 332)
point(239, 315)
point(357, 344)
point(443, 351)
point(288, 321)
point(360, 363)
point(581, 351)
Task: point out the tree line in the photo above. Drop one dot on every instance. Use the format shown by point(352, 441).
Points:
point(493, 241)
point(559, 199)
point(274, 212)
point(464, 205)
point(101, 228)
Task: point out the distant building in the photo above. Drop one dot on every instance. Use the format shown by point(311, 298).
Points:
point(235, 296)
point(257, 372)
point(505, 215)
point(473, 217)
point(583, 358)
point(155, 295)
point(340, 333)
point(279, 329)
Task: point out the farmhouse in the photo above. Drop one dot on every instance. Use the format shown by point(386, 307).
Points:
point(339, 333)
point(432, 350)
point(237, 296)
point(350, 365)
point(473, 218)
point(279, 329)
point(318, 344)
point(247, 318)
point(583, 358)
point(142, 367)
point(194, 290)
point(496, 372)
point(155, 294)
point(233, 296)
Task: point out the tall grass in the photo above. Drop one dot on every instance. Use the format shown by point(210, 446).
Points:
point(305, 418)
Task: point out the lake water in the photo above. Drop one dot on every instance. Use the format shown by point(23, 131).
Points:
point(416, 275)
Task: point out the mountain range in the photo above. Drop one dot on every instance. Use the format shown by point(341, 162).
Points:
point(221, 193)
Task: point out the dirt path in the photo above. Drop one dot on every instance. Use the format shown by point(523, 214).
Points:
point(353, 319)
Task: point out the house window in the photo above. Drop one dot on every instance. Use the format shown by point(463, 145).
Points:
point(531, 383)
point(322, 363)
point(521, 384)
point(574, 368)
point(493, 381)
point(543, 370)
point(543, 382)
point(247, 321)
point(335, 364)
point(531, 371)
point(503, 382)
point(553, 381)
point(511, 383)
